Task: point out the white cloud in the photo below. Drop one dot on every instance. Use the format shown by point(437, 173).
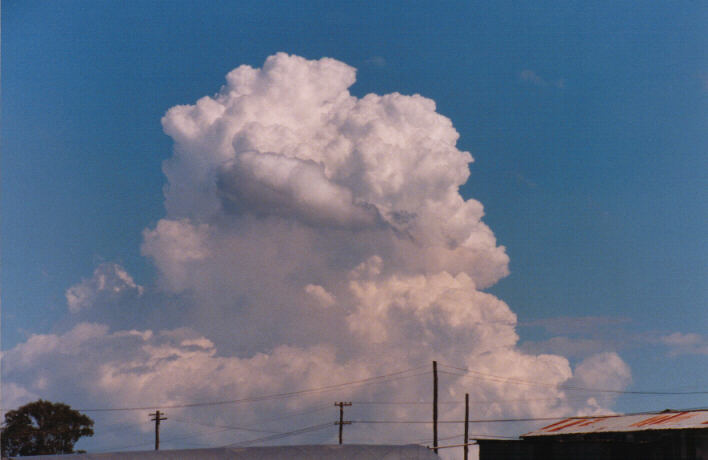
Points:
point(604, 371)
point(284, 189)
point(580, 337)
point(109, 281)
point(14, 395)
point(578, 324)
point(377, 61)
point(533, 78)
point(159, 368)
point(276, 184)
point(682, 340)
point(388, 309)
point(570, 347)
point(320, 294)
point(181, 245)
point(685, 343)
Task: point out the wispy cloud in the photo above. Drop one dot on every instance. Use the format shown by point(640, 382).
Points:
point(576, 324)
point(533, 78)
point(569, 346)
point(577, 337)
point(377, 61)
point(685, 344)
point(583, 336)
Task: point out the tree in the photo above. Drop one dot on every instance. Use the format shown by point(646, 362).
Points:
point(43, 427)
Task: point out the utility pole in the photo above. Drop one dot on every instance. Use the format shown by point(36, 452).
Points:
point(157, 417)
point(435, 406)
point(467, 423)
point(341, 422)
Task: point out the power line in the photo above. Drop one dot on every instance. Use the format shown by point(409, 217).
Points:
point(260, 421)
point(386, 378)
point(567, 387)
point(504, 420)
point(196, 435)
point(118, 428)
point(234, 428)
point(274, 437)
point(122, 448)
point(458, 445)
point(428, 403)
point(402, 403)
point(168, 440)
point(428, 441)
point(222, 429)
point(478, 436)
point(479, 401)
point(293, 414)
point(500, 420)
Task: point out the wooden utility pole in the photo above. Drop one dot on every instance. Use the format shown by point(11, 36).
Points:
point(435, 406)
point(341, 422)
point(157, 417)
point(467, 423)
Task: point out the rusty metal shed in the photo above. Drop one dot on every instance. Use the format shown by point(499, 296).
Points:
point(667, 435)
point(667, 420)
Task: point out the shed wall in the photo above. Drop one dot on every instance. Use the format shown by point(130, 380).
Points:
point(656, 445)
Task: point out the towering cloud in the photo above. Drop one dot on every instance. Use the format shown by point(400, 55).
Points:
point(318, 237)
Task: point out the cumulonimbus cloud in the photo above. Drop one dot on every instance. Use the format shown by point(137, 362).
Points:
point(319, 237)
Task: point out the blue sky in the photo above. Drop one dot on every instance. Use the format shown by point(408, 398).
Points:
point(586, 122)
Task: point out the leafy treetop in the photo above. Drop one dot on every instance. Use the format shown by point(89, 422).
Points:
point(43, 427)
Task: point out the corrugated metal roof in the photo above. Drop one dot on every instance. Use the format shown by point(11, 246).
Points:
point(667, 420)
point(322, 452)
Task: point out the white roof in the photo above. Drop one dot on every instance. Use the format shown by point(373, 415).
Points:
point(320, 452)
point(667, 420)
